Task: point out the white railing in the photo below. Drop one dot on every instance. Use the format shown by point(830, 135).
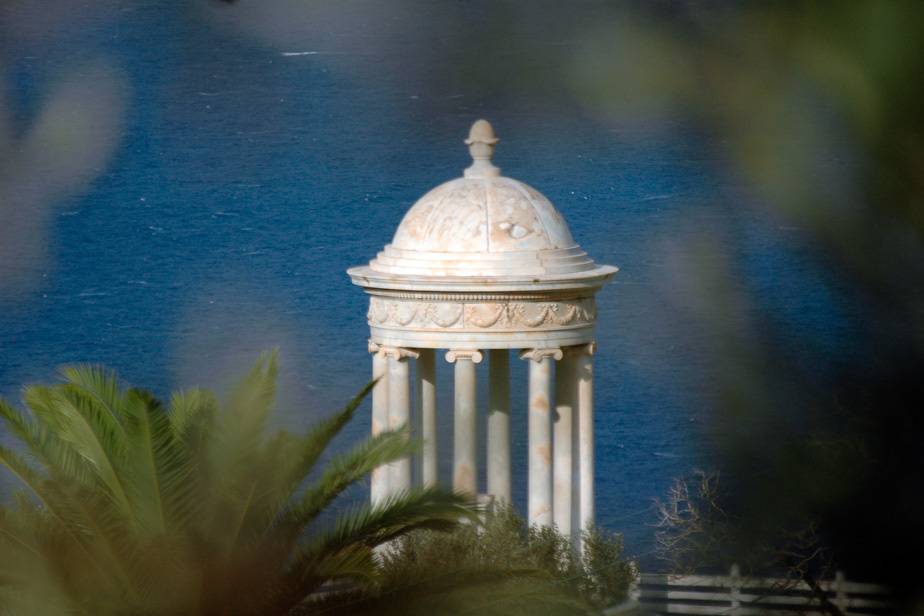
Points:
point(734, 594)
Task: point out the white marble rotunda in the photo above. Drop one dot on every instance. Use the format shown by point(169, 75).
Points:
point(481, 265)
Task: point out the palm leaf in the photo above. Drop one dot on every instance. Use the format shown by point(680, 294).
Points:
point(47, 490)
point(233, 449)
point(272, 484)
point(190, 408)
point(197, 499)
point(434, 508)
point(17, 537)
point(76, 424)
point(102, 387)
point(192, 416)
point(346, 469)
point(421, 508)
point(106, 534)
point(286, 461)
point(317, 440)
point(26, 474)
point(58, 458)
point(243, 422)
point(159, 469)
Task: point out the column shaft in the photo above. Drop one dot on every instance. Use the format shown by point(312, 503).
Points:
point(465, 450)
point(562, 460)
point(540, 436)
point(499, 425)
point(379, 482)
point(585, 417)
point(426, 400)
point(399, 415)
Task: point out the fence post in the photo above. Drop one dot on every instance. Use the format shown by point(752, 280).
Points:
point(840, 598)
point(735, 588)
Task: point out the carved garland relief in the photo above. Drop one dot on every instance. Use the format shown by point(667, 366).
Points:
point(481, 316)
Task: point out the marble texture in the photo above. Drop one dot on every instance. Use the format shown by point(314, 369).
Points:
point(487, 263)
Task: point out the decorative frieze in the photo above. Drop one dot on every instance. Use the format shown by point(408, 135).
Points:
point(479, 316)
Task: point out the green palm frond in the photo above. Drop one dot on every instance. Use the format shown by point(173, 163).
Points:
point(150, 436)
point(21, 427)
point(365, 527)
point(355, 563)
point(158, 467)
point(345, 470)
point(59, 510)
point(273, 490)
point(80, 428)
point(25, 583)
point(19, 545)
point(43, 444)
point(94, 533)
point(433, 508)
point(190, 409)
point(102, 387)
point(232, 452)
point(288, 459)
point(192, 416)
point(26, 474)
point(129, 498)
point(242, 425)
point(319, 437)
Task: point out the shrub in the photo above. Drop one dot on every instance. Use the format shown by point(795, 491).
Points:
point(524, 568)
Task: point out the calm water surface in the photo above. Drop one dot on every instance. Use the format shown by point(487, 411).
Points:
point(247, 181)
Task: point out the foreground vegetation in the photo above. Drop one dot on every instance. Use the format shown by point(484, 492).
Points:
point(595, 578)
point(501, 566)
point(193, 507)
point(131, 506)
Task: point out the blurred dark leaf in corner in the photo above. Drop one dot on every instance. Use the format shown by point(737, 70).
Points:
point(821, 115)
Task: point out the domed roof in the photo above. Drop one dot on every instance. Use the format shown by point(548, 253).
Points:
point(482, 215)
point(483, 225)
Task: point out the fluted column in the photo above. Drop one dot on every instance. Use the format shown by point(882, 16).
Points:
point(379, 484)
point(499, 425)
point(562, 469)
point(540, 434)
point(465, 443)
point(426, 403)
point(399, 411)
point(585, 419)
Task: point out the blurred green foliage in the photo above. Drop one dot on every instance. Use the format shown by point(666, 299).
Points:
point(501, 566)
point(818, 107)
point(133, 507)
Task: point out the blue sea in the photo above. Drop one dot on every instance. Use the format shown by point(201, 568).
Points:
point(252, 163)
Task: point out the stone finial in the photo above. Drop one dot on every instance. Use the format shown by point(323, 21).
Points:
point(480, 142)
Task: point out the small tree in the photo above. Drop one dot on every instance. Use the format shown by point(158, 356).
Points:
point(695, 531)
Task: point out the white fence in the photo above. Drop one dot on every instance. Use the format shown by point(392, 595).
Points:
point(736, 595)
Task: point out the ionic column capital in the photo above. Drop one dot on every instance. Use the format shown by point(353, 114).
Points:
point(471, 354)
point(398, 352)
point(374, 347)
point(540, 354)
